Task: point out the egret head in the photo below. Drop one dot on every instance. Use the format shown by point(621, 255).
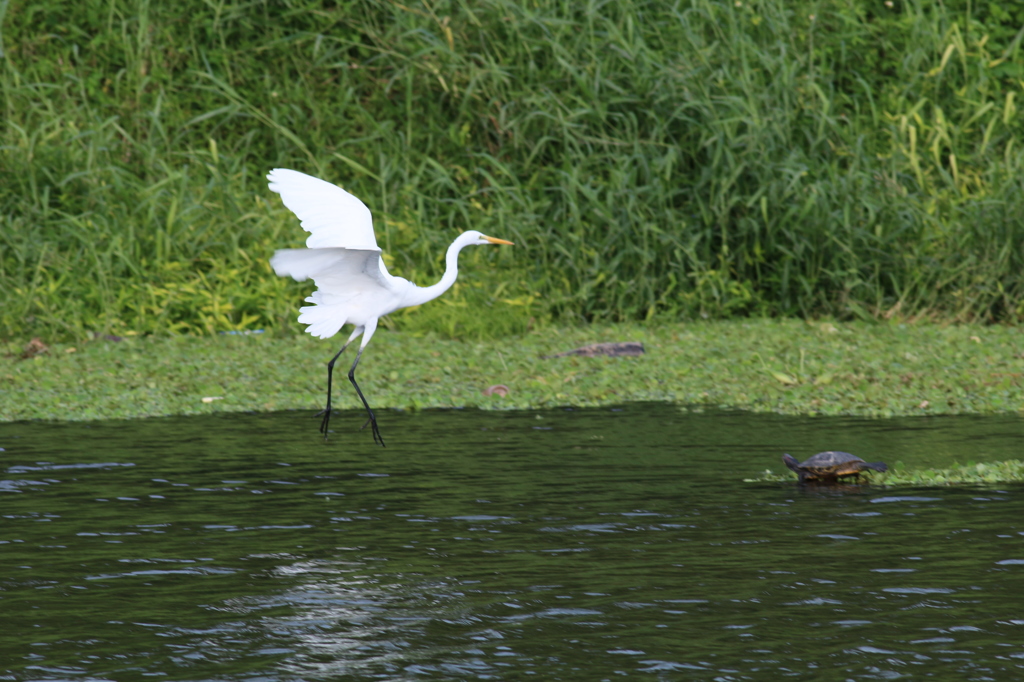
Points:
point(477, 238)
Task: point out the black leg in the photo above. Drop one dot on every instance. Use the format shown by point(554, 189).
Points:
point(372, 421)
point(327, 410)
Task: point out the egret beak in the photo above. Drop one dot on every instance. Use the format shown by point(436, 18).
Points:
point(495, 240)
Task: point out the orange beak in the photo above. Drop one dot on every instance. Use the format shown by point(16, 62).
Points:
point(495, 240)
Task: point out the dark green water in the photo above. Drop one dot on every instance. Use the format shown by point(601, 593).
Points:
point(562, 545)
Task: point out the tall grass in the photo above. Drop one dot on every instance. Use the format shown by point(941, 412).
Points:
point(648, 158)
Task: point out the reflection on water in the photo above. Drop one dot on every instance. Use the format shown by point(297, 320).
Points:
point(581, 545)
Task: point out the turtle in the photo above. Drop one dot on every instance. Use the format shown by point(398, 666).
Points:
point(830, 466)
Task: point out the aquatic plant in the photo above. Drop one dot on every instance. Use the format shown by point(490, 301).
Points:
point(1009, 471)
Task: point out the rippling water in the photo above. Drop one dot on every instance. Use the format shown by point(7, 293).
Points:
point(562, 545)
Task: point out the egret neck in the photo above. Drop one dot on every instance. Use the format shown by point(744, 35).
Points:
point(421, 295)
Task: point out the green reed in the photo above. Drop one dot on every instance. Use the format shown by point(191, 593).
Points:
point(649, 159)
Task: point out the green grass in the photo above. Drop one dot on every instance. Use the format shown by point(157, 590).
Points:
point(651, 160)
point(790, 367)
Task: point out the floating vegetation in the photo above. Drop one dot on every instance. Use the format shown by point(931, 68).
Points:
point(1010, 471)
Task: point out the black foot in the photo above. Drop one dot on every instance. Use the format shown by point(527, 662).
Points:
point(377, 438)
point(326, 414)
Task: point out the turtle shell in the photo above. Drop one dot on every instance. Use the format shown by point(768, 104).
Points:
point(831, 465)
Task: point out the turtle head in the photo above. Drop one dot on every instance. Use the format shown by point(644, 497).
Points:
point(791, 462)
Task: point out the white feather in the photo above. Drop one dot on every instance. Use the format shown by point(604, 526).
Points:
point(301, 264)
point(332, 216)
point(343, 259)
point(353, 286)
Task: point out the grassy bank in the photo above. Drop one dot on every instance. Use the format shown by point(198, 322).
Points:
point(650, 159)
point(790, 367)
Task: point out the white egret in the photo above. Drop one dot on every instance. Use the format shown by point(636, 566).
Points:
point(343, 258)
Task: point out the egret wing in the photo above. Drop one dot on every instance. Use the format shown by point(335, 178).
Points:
point(352, 286)
point(342, 265)
point(332, 216)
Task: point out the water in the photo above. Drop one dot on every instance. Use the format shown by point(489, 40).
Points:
point(558, 545)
